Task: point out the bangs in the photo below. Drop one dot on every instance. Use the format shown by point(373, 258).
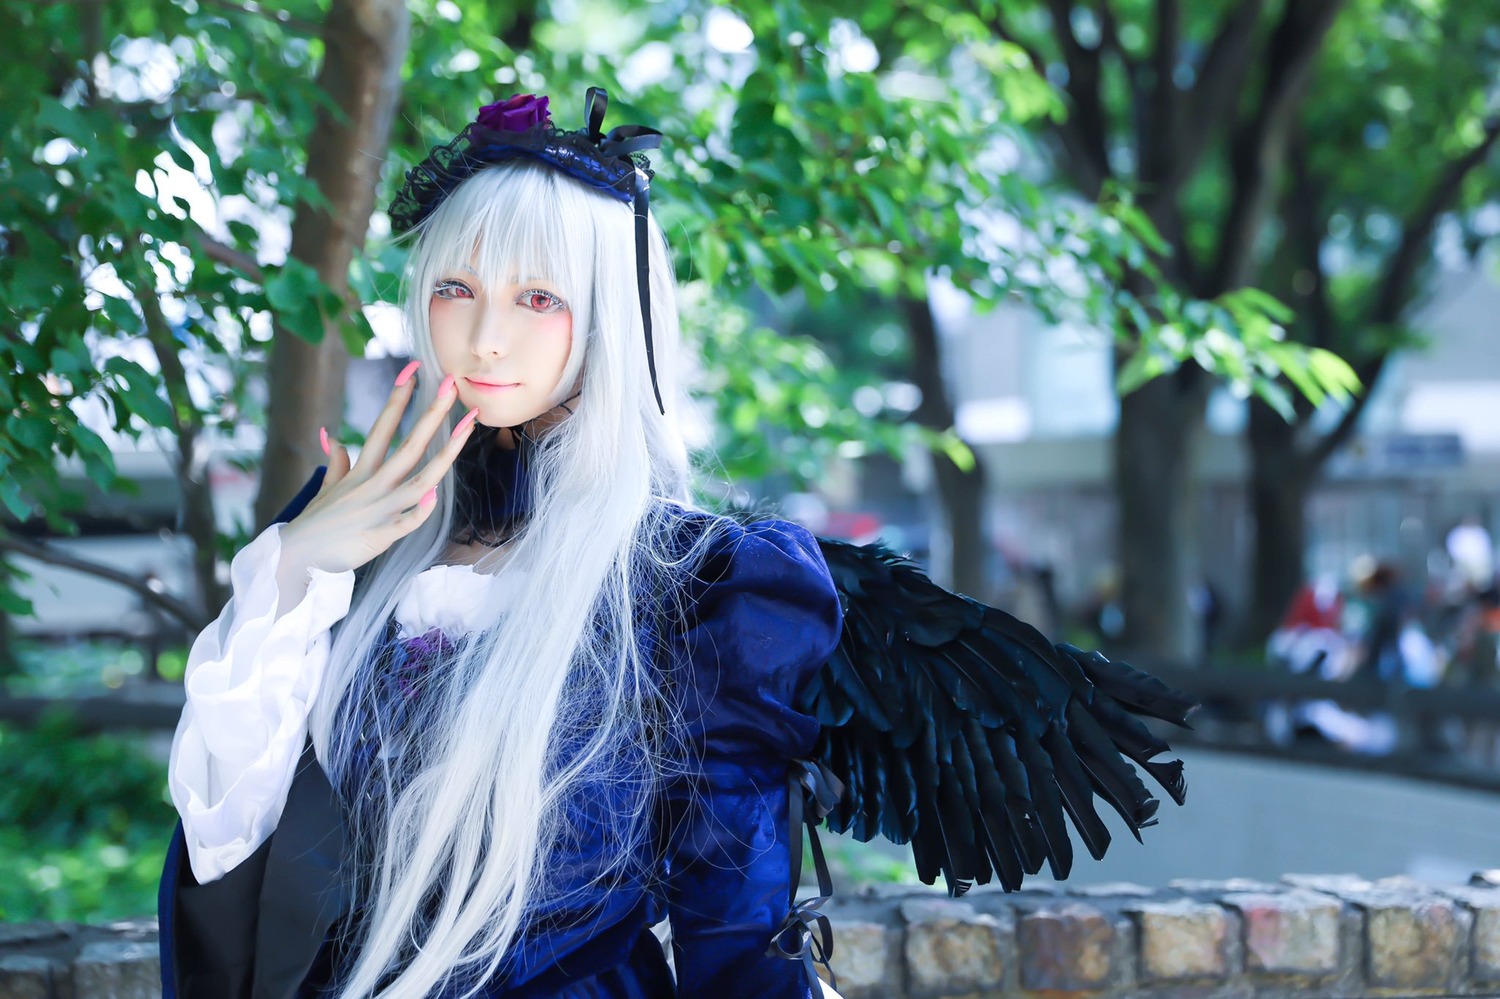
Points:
point(503, 223)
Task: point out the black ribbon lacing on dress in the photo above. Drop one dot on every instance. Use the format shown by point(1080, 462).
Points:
point(806, 934)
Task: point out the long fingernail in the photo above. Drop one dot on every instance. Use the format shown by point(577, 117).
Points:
point(323, 438)
point(447, 384)
point(462, 424)
point(406, 372)
point(428, 498)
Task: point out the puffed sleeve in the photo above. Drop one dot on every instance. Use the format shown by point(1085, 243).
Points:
point(251, 679)
point(764, 619)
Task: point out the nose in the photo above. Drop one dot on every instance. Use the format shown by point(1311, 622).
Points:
point(493, 334)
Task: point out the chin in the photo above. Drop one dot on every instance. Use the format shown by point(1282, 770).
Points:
point(512, 415)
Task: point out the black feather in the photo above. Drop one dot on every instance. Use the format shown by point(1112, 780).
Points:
point(963, 731)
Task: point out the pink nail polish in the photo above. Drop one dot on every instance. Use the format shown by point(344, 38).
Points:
point(428, 498)
point(406, 372)
point(323, 437)
point(468, 419)
point(447, 384)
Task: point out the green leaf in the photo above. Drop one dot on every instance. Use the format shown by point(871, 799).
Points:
point(713, 257)
point(10, 495)
point(34, 432)
point(1333, 373)
point(138, 389)
point(122, 316)
point(1276, 396)
point(1267, 303)
point(1140, 369)
point(293, 290)
point(14, 604)
point(70, 123)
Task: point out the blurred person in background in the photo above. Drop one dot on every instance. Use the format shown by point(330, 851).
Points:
point(1310, 636)
point(1475, 665)
point(1473, 553)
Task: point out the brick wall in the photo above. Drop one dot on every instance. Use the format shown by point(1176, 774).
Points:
point(1305, 936)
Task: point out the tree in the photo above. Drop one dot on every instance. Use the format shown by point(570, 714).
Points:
point(364, 44)
point(882, 177)
point(1398, 134)
point(153, 155)
point(1193, 107)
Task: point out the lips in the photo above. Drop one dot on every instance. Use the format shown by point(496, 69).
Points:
point(477, 383)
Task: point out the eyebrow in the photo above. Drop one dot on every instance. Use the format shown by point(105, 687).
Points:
point(519, 281)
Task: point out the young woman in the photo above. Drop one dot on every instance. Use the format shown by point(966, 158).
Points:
point(487, 707)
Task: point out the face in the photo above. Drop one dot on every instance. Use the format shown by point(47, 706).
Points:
point(506, 347)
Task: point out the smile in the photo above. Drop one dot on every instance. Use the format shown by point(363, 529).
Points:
point(492, 386)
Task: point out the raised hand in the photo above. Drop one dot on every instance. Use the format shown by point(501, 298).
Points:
point(361, 511)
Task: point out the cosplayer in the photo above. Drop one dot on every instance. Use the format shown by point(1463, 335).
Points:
point(488, 706)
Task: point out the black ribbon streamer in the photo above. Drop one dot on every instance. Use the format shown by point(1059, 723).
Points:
point(622, 143)
point(806, 935)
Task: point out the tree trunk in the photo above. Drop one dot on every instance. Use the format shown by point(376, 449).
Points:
point(1280, 479)
point(365, 43)
point(1155, 459)
point(960, 493)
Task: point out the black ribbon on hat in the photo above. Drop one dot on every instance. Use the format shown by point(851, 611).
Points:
point(624, 142)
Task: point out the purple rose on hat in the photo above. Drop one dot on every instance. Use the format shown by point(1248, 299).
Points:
point(515, 114)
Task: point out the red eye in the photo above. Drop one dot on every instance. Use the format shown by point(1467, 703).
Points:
point(452, 289)
point(541, 301)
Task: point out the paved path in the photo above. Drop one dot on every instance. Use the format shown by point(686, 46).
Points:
point(1263, 818)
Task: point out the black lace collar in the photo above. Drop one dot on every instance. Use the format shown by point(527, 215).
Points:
point(494, 489)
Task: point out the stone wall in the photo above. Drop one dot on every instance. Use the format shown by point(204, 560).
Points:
point(1306, 937)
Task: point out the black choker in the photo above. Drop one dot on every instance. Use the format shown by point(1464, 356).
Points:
point(494, 488)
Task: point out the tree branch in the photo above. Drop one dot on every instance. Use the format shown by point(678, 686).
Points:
point(521, 32)
point(1369, 373)
point(281, 17)
point(1109, 41)
point(1416, 235)
point(1083, 88)
point(187, 424)
point(189, 616)
point(1306, 223)
point(1220, 79)
point(1399, 278)
point(230, 257)
point(1087, 169)
point(1109, 35)
point(1159, 126)
point(1258, 147)
point(249, 7)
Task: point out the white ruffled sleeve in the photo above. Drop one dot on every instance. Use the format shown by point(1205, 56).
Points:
point(251, 680)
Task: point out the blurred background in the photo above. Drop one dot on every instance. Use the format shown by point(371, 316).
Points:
point(1170, 328)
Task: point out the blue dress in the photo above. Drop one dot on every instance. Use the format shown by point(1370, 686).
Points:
point(763, 615)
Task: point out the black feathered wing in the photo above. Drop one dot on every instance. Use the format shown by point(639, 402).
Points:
point(961, 730)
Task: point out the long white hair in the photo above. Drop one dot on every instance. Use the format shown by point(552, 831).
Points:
point(527, 711)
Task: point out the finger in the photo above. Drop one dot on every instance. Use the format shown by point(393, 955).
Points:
point(416, 515)
point(405, 457)
point(431, 474)
point(372, 455)
point(338, 463)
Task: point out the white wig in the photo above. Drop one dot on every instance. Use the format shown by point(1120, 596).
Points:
point(456, 863)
